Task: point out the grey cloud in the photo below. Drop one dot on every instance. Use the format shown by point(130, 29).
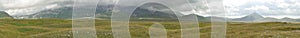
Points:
point(14, 4)
point(39, 4)
point(199, 5)
point(274, 8)
point(25, 7)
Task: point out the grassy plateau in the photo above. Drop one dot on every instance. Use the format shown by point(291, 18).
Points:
point(58, 28)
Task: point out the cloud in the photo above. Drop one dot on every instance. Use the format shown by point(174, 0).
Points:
point(234, 8)
point(256, 8)
point(210, 8)
point(24, 11)
point(26, 7)
point(267, 8)
point(17, 4)
point(241, 8)
point(8, 4)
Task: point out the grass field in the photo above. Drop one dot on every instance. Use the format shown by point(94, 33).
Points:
point(56, 28)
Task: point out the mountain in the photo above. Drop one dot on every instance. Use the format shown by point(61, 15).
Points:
point(200, 18)
point(286, 19)
point(104, 11)
point(153, 11)
point(150, 11)
point(269, 19)
point(255, 17)
point(4, 15)
point(60, 13)
point(65, 13)
point(214, 18)
point(147, 11)
point(251, 17)
point(298, 20)
point(57, 13)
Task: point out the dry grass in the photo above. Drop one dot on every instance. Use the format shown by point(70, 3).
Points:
point(57, 28)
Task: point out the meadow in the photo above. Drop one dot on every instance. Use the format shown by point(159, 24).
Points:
point(59, 28)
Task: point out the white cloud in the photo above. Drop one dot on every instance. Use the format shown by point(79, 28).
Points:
point(235, 2)
point(24, 11)
point(256, 8)
point(20, 3)
point(52, 6)
point(26, 7)
point(267, 8)
point(235, 8)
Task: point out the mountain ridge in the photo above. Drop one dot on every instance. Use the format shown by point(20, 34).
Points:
point(4, 15)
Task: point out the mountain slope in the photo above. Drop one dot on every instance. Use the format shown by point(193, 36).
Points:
point(153, 11)
point(65, 13)
point(147, 11)
point(60, 13)
point(269, 19)
point(104, 11)
point(251, 17)
point(286, 19)
point(4, 15)
point(200, 18)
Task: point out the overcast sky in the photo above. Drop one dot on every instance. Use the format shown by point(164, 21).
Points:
point(234, 8)
point(26, 7)
point(267, 8)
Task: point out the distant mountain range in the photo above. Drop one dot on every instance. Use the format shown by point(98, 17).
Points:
point(251, 17)
point(255, 17)
point(151, 11)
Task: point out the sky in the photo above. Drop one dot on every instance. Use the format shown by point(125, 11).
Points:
point(27, 7)
point(232, 8)
point(267, 8)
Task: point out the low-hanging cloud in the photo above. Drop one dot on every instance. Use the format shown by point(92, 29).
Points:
point(237, 8)
point(267, 8)
point(26, 7)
